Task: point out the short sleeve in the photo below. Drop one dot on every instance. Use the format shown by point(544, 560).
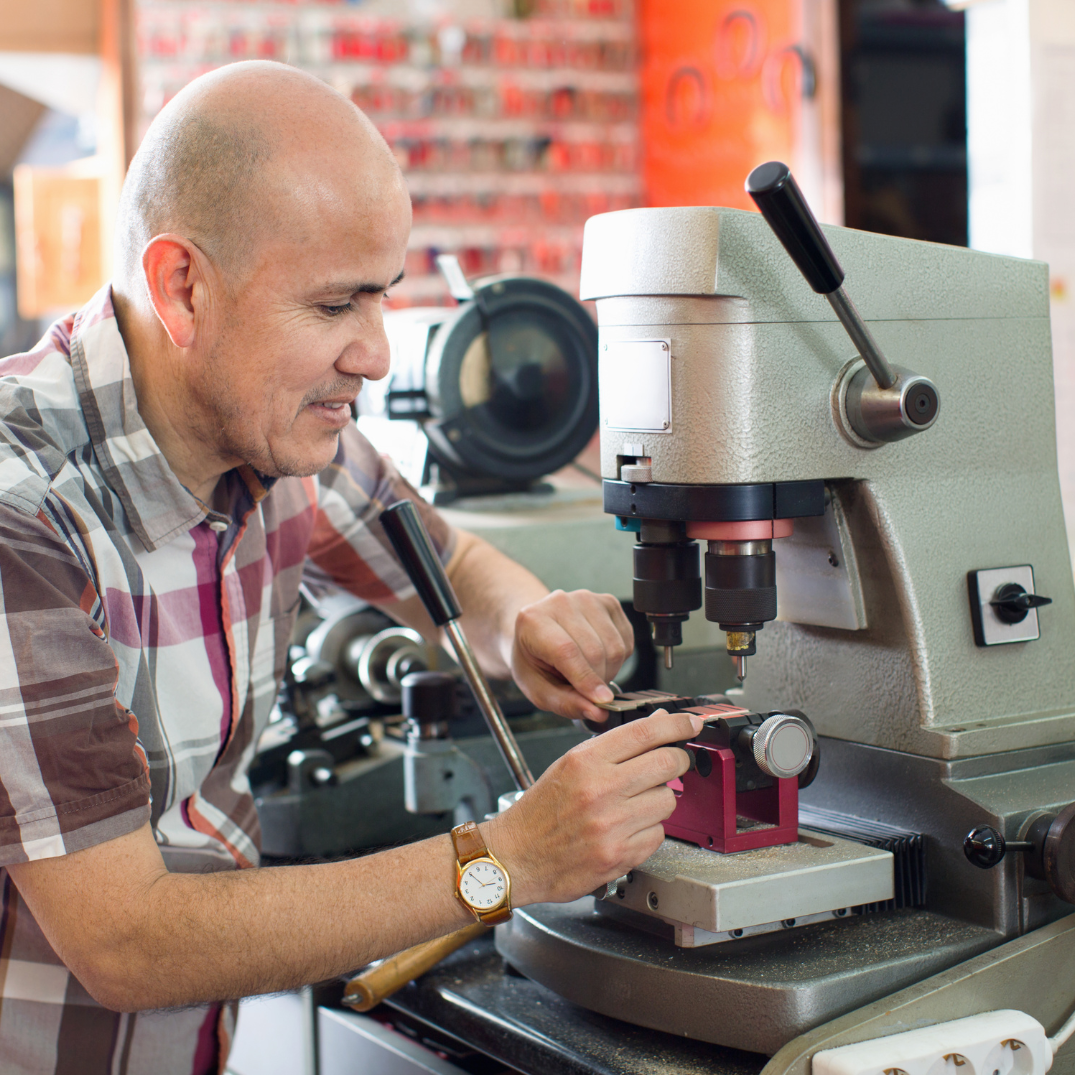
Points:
point(349, 547)
point(72, 773)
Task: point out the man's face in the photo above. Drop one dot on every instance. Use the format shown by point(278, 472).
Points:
point(293, 341)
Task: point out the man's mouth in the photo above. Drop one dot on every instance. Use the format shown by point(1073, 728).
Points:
point(337, 413)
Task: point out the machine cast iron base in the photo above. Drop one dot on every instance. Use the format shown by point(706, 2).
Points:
point(756, 993)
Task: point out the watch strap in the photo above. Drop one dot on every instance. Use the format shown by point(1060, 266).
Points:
point(468, 842)
point(494, 918)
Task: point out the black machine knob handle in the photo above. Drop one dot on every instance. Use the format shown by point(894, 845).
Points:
point(1012, 603)
point(409, 538)
point(429, 697)
point(1049, 847)
point(781, 202)
point(986, 846)
point(777, 195)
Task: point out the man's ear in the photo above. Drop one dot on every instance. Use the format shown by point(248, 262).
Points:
point(175, 271)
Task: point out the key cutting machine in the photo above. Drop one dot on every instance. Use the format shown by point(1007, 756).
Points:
point(878, 504)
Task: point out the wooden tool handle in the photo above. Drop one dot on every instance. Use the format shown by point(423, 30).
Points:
point(368, 989)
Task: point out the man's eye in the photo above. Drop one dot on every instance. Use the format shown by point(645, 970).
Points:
point(335, 311)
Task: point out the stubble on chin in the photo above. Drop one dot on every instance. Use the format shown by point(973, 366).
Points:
point(227, 426)
point(272, 458)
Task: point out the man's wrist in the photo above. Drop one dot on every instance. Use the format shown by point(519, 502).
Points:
point(463, 912)
point(499, 837)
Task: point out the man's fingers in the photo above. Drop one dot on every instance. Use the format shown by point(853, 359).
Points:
point(559, 698)
point(645, 734)
point(652, 807)
point(582, 637)
point(637, 848)
point(619, 621)
point(643, 844)
point(606, 616)
point(563, 652)
point(601, 649)
point(653, 769)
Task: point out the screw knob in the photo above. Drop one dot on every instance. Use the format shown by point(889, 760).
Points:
point(984, 847)
point(429, 697)
point(783, 745)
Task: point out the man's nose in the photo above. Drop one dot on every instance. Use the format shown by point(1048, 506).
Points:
point(369, 354)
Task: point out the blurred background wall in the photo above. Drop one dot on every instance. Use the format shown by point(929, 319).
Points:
point(515, 120)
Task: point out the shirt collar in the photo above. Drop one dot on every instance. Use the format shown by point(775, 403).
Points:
point(159, 507)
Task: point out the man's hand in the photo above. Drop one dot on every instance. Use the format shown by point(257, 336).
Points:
point(595, 813)
point(561, 648)
point(568, 647)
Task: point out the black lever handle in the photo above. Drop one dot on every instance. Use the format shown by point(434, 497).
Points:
point(777, 195)
point(409, 538)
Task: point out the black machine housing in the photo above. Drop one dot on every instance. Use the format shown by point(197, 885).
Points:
point(505, 386)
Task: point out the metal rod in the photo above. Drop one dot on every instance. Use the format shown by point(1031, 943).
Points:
point(668, 657)
point(509, 749)
point(740, 662)
point(861, 337)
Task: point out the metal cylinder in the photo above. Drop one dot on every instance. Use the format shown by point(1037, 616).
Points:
point(429, 703)
point(667, 578)
point(740, 583)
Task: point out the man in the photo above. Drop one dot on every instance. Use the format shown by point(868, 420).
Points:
point(172, 460)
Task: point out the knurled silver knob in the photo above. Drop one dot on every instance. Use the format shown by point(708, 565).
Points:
point(782, 745)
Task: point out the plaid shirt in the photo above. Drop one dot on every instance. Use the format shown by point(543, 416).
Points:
point(143, 640)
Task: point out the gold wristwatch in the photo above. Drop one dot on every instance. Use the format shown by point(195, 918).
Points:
point(482, 884)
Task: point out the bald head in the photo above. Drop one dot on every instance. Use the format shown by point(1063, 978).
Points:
point(241, 153)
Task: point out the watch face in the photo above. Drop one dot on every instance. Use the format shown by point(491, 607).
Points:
point(483, 885)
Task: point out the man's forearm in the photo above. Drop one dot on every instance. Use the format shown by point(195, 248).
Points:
point(190, 938)
point(562, 649)
point(140, 938)
point(491, 588)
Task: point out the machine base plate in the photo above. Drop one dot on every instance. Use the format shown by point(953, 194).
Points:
point(756, 993)
point(708, 897)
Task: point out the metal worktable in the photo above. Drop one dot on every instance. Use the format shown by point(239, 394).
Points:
point(473, 997)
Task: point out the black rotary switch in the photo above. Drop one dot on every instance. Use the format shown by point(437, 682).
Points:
point(1011, 602)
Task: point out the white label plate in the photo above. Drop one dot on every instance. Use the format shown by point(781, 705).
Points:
point(635, 382)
